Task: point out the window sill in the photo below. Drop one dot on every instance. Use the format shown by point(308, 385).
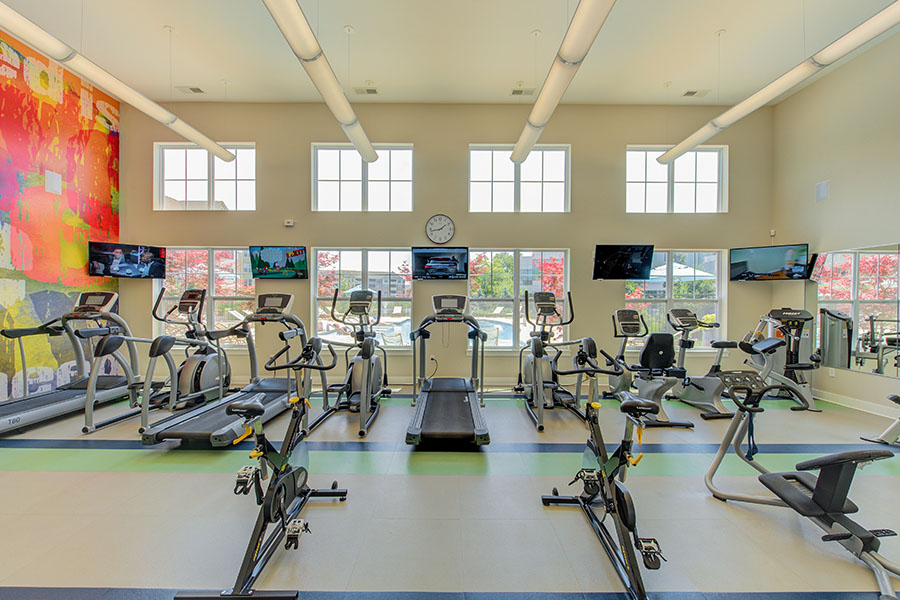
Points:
point(694, 352)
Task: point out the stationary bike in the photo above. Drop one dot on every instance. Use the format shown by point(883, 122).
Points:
point(704, 392)
point(891, 435)
point(823, 498)
point(537, 375)
point(602, 479)
point(366, 372)
point(627, 323)
point(287, 491)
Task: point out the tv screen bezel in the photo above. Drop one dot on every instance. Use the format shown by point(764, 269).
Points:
point(160, 252)
point(412, 254)
point(806, 273)
point(594, 261)
point(306, 272)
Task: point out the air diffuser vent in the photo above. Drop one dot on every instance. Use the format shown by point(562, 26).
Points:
point(522, 92)
point(695, 93)
point(366, 91)
point(189, 89)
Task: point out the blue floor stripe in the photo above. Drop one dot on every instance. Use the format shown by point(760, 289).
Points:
point(14, 593)
point(399, 446)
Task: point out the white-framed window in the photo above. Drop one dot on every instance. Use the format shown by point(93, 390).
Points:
point(388, 270)
point(225, 275)
point(188, 177)
point(862, 284)
point(539, 184)
point(343, 181)
point(695, 182)
point(689, 279)
point(498, 280)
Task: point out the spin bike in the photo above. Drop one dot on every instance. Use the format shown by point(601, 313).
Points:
point(603, 479)
point(537, 375)
point(366, 372)
point(821, 498)
point(287, 491)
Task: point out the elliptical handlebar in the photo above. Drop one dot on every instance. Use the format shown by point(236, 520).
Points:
point(342, 318)
point(307, 359)
point(167, 318)
point(562, 322)
point(592, 369)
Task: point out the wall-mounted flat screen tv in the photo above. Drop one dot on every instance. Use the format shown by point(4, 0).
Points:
point(112, 259)
point(769, 263)
point(440, 263)
point(279, 262)
point(622, 261)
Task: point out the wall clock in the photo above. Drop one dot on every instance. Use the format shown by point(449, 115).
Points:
point(440, 229)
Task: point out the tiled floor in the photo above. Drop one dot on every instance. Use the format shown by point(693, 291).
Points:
point(102, 512)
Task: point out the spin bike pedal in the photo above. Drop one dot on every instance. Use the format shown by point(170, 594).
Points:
point(243, 482)
point(586, 475)
point(650, 551)
point(294, 530)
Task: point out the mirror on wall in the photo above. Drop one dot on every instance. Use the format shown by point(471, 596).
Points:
point(859, 309)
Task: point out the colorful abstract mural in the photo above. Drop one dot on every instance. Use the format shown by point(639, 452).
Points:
point(59, 188)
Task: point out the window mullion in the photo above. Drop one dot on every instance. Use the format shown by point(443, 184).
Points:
point(670, 187)
point(516, 298)
point(517, 187)
point(365, 187)
point(209, 182)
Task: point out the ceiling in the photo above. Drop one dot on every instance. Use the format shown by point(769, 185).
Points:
point(465, 51)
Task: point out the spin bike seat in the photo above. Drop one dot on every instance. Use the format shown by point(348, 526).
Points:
point(247, 408)
point(723, 344)
point(634, 406)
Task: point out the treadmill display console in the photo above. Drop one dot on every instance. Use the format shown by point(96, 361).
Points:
point(449, 307)
point(89, 302)
point(274, 304)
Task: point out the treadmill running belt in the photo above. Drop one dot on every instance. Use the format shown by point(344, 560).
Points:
point(14, 407)
point(447, 416)
point(201, 426)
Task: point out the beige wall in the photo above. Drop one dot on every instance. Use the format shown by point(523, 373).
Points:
point(845, 128)
point(441, 134)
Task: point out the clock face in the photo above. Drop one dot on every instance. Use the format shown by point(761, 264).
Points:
point(440, 229)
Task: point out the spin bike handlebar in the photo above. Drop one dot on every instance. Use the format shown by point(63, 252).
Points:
point(593, 368)
point(751, 400)
point(561, 321)
point(341, 319)
point(306, 360)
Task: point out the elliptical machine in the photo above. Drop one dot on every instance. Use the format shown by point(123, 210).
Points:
point(538, 375)
point(784, 367)
point(193, 383)
point(366, 372)
point(703, 392)
point(287, 492)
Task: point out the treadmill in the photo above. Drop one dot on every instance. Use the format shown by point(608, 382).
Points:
point(210, 424)
point(448, 409)
point(95, 308)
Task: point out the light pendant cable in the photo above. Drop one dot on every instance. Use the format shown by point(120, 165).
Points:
point(847, 43)
point(57, 50)
point(296, 30)
point(583, 29)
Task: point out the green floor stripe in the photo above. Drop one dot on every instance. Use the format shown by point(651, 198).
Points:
point(393, 463)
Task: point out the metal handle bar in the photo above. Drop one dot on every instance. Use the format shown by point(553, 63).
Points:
point(308, 356)
point(592, 368)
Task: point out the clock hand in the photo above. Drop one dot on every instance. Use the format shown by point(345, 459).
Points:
point(439, 228)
